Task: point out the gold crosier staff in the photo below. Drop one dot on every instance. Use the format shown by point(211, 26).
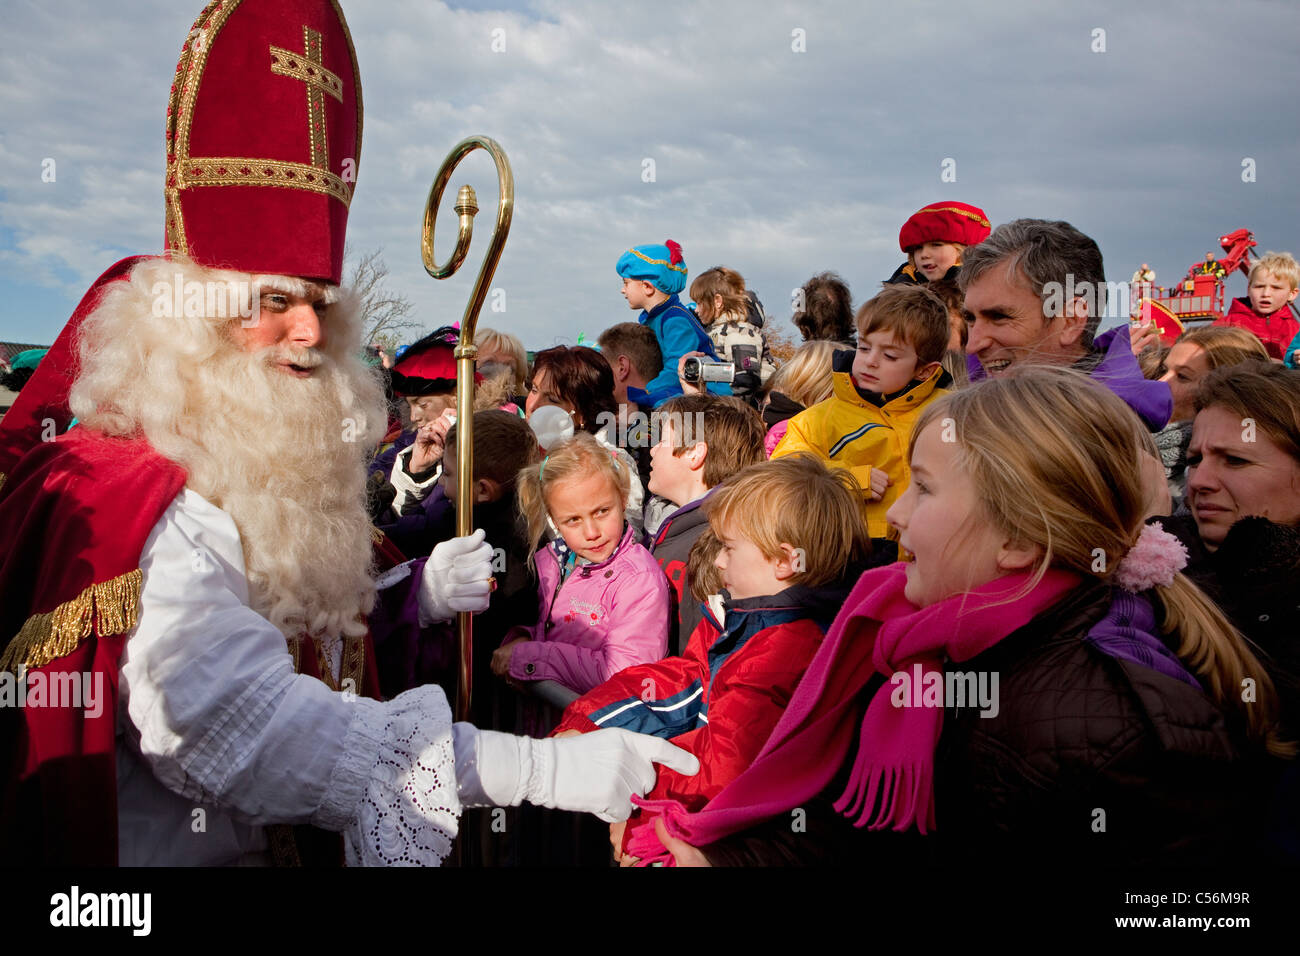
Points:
point(466, 206)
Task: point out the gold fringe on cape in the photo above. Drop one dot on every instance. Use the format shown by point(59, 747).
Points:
point(110, 606)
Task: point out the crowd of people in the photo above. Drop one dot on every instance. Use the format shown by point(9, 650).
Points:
point(1099, 532)
point(965, 574)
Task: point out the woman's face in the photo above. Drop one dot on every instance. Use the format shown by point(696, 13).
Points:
point(1234, 471)
point(955, 549)
point(1187, 364)
point(426, 408)
point(541, 393)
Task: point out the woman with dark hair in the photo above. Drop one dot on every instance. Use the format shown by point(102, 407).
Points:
point(1243, 492)
point(579, 381)
point(824, 310)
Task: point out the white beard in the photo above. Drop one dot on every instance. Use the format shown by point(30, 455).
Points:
point(285, 457)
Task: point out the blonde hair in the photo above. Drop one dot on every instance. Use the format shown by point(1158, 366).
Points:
point(490, 340)
point(1280, 264)
point(795, 500)
point(1054, 460)
point(959, 246)
point(579, 457)
point(1225, 344)
point(284, 457)
point(806, 376)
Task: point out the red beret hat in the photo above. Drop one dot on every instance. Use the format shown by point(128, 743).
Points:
point(429, 366)
point(944, 222)
point(263, 138)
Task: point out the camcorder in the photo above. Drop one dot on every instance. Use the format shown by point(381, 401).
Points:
point(703, 370)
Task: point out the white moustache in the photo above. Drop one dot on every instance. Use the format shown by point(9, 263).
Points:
point(287, 354)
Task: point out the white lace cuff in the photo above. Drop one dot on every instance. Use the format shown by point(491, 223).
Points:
point(393, 791)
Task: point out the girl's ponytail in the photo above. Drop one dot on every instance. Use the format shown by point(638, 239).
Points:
point(1222, 660)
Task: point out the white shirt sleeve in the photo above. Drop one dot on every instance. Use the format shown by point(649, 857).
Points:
point(408, 489)
point(210, 702)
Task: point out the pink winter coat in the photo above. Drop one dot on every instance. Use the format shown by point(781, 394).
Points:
point(774, 436)
point(605, 617)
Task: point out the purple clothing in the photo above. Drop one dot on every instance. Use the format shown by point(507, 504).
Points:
point(1128, 632)
point(603, 618)
point(407, 655)
point(1117, 368)
point(382, 463)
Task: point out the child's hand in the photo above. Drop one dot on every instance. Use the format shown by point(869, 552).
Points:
point(683, 852)
point(430, 440)
point(1142, 337)
point(501, 657)
point(616, 837)
point(879, 482)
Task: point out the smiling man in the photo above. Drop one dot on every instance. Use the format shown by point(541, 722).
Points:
point(1035, 291)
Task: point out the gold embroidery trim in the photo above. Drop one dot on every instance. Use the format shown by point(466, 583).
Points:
point(351, 666)
point(287, 63)
point(180, 114)
point(658, 262)
point(354, 662)
point(375, 534)
point(961, 212)
point(110, 607)
point(3, 476)
point(239, 171)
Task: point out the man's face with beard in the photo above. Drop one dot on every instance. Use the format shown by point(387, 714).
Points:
point(289, 323)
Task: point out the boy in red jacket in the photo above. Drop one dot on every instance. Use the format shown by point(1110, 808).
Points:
point(1271, 289)
point(790, 544)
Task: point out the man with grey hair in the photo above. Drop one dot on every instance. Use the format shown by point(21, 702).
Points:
point(1035, 292)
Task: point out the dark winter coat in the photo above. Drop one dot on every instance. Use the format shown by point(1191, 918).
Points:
point(1089, 760)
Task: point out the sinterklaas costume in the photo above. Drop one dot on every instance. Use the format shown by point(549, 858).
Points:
point(216, 741)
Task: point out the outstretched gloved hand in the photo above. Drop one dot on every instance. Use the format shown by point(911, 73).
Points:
point(595, 773)
point(457, 577)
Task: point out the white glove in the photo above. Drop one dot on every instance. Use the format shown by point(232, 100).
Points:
point(593, 773)
point(456, 578)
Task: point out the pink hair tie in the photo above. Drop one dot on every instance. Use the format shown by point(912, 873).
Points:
point(1154, 560)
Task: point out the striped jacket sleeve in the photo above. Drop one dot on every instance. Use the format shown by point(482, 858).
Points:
point(663, 699)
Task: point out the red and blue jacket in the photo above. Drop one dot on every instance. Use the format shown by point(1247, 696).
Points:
point(723, 697)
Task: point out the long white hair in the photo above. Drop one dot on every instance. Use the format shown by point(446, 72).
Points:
point(283, 456)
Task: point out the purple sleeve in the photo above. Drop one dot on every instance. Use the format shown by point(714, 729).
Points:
point(407, 655)
point(639, 636)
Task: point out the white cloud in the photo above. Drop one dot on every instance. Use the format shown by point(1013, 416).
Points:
point(780, 164)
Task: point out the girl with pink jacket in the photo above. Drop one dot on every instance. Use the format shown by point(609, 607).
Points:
point(604, 600)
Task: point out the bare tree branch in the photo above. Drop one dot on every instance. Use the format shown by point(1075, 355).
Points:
point(385, 314)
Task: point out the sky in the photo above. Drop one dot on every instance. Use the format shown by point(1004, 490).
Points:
point(785, 139)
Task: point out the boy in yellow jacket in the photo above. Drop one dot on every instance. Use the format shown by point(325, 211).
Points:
point(879, 391)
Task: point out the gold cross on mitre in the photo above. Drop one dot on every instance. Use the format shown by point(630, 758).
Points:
point(308, 67)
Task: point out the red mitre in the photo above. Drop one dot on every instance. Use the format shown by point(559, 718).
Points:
point(263, 138)
point(945, 222)
point(1166, 321)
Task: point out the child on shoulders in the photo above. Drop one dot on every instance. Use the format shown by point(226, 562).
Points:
point(934, 239)
point(652, 277)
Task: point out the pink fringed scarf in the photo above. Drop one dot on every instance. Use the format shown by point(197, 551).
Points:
point(891, 783)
